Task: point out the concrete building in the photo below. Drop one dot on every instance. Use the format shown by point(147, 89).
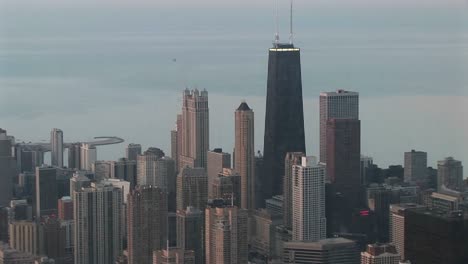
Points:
point(335, 105)
point(292, 158)
point(74, 156)
point(174, 256)
point(98, 217)
point(147, 223)
point(263, 233)
point(244, 162)
point(25, 237)
point(132, 151)
point(192, 188)
point(308, 191)
point(7, 168)
point(56, 142)
point(12, 256)
point(102, 169)
point(46, 191)
point(154, 168)
point(380, 254)
point(397, 225)
point(191, 232)
point(195, 139)
point(227, 185)
point(326, 251)
point(65, 208)
point(415, 166)
point(88, 155)
point(225, 233)
point(217, 161)
point(450, 175)
point(284, 115)
point(80, 180)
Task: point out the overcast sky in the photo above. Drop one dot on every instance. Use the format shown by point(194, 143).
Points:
point(233, 3)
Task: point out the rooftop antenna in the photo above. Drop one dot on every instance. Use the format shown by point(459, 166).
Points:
point(277, 23)
point(291, 36)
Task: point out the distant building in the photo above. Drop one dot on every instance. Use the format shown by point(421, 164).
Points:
point(125, 169)
point(146, 167)
point(132, 151)
point(74, 156)
point(102, 169)
point(65, 208)
point(53, 239)
point(46, 191)
point(174, 256)
point(340, 104)
point(275, 204)
point(88, 155)
point(24, 237)
point(192, 188)
point(415, 166)
point(191, 232)
point(7, 167)
point(367, 164)
point(79, 180)
point(308, 191)
point(263, 233)
point(147, 223)
point(245, 154)
point(56, 142)
point(378, 200)
point(259, 195)
point(227, 185)
point(326, 251)
point(450, 175)
point(380, 254)
point(195, 138)
point(12, 256)
point(98, 217)
point(225, 234)
point(217, 161)
point(292, 158)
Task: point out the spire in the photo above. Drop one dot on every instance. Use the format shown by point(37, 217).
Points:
point(277, 22)
point(291, 36)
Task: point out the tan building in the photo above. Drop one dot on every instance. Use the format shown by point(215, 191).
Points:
point(25, 237)
point(195, 134)
point(12, 256)
point(173, 256)
point(192, 188)
point(263, 232)
point(147, 223)
point(244, 156)
point(217, 161)
point(225, 233)
point(380, 254)
point(292, 158)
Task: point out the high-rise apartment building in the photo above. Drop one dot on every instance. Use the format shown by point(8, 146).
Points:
point(98, 216)
point(284, 119)
point(147, 223)
point(227, 186)
point(195, 139)
point(191, 232)
point(339, 105)
point(154, 168)
point(7, 168)
point(56, 143)
point(217, 161)
point(244, 162)
point(132, 151)
point(415, 166)
point(326, 251)
point(380, 254)
point(225, 233)
point(308, 191)
point(46, 191)
point(449, 175)
point(174, 256)
point(88, 155)
point(192, 188)
point(292, 158)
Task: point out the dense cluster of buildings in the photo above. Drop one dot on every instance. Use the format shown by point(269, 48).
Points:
point(205, 206)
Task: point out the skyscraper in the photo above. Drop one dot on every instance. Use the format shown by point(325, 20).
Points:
point(147, 223)
point(380, 254)
point(195, 139)
point(225, 234)
point(7, 168)
point(192, 188)
point(74, 156)
point(308, 191)
point(284, 117)
point(46, 191)
point(191, 232)
point(125, 169)
point(97, 215)
point(415, 166)
point(65, 208)
point(449, 175)
point(132, 151)
point(227, 186)
point(56, 142)
point(217, 161)
point(340, 104)
point(88, 155)
point(245, 154)
point(153, 168)
point(292, 158)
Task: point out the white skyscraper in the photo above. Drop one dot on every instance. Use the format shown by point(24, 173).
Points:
point(308, 191)
point(339, 104)
point(88, 155)
point(56, 142)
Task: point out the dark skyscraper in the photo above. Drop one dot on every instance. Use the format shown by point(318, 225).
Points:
point(284, 120)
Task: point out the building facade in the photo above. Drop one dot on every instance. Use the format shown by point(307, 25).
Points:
point(56, 142)
point(450, 175)
point(192, 188)
point(326, 251)
point(217, 161)
point(380, 254)
point(292, 158)
point(415, 166)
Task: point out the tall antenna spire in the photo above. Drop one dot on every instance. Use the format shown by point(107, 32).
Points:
point(277, 22)
point(291, 36)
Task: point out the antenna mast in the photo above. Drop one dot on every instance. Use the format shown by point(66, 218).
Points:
point(277, 22)
point(291, 36)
